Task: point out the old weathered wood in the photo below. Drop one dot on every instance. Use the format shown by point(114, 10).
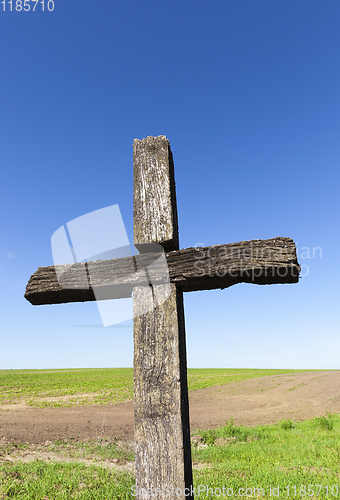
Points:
point(154, 200)
point(262, 262)
point(163, 455)
point(162, 435)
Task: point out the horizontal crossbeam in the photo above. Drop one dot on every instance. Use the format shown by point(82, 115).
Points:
point(262, 262)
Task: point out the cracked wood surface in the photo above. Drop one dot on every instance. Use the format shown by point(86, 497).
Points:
point(161, 406)
point(258, 261)
point(154, 196)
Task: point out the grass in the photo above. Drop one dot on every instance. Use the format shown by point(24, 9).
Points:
point(100, 449)
point(209, 377)
point(74, 387)
point(43, 481)
point(291, 456)
point(73, 477)
point(70, 387)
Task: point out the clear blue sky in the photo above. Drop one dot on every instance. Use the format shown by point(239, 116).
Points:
point(248, 93)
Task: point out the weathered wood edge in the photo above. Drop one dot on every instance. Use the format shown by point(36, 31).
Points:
point(261, 262)
point(154, 194)
point(161, 405)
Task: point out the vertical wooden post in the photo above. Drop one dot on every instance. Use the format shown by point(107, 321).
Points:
point(162, 434)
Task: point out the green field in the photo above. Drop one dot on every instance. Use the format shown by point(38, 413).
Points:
point(290, 455)
point(73, 387)
point(302, 459)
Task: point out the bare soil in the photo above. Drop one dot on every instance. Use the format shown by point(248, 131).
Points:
point(296, 396)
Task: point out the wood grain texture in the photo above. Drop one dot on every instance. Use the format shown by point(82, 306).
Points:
point(161, 405)
point(154, 198)
point(258, 261)
point(162, 435)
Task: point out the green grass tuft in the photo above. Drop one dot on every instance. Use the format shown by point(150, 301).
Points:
point(286, 454)
point(44, 481)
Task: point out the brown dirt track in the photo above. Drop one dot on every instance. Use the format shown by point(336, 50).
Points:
point(263, 400)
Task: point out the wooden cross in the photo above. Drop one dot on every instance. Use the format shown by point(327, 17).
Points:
point(161, 410)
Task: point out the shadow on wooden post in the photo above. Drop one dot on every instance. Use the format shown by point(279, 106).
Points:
point(162, 434)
